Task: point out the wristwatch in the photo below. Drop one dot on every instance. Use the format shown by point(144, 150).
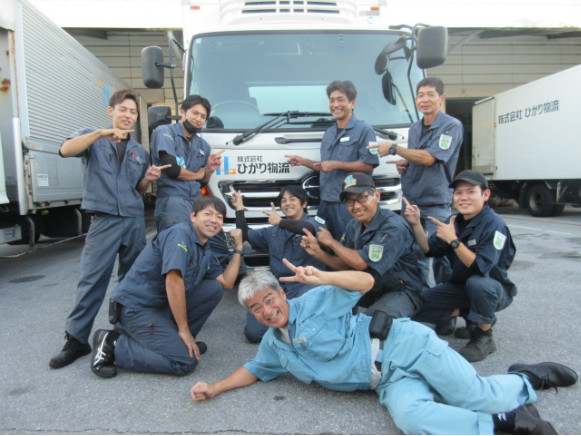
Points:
point(455, 243)
point(393, 149)
point(240, 252)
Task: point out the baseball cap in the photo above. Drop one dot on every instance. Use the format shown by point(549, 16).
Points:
point(472, 177)
point(356, 183)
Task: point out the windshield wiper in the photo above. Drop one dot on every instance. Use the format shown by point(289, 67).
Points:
point(390, 134)
point(278, 120)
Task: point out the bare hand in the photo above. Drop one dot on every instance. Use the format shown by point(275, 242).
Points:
point(116, 135)
point(188, 339)
point(236, 200)
point(382, 148)
point(273, 216)
point(236, 235)
point(202, 391)
point(324, 237)
point(215, 161)
point(295, 160)
point(412, 212)
point(400, 165)
point(446, 232)
point(328, 165)
point(303, 274)
point(310, 245)
point(153, 173)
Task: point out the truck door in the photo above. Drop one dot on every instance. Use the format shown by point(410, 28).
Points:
point(483, 136)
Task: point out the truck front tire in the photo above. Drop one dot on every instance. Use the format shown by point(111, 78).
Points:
point(540, 201)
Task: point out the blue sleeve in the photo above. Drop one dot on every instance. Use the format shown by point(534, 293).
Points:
point(162, 139)
point(328, 301)
point(367, 136)
point(387, 246)
point(175, 253)
point(445, 145)
point(214, 269)
point(258, 238)
point(80, 132)
point(266, 365)
point(491, 241)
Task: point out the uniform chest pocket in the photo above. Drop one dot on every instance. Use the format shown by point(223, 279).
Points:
point(197, 161)
point(134, 169)
point(321, 339)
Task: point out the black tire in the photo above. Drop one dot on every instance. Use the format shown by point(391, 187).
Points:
point(557, 209)
point(540, 200)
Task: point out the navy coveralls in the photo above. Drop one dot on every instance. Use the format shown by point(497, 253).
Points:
point(389, 249)
point(484, 287)
point(428, 186)
point(346, 145)
point(150, 342)
point(281, 244)
point(117, 225)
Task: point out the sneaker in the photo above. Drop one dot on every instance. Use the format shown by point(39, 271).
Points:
point(464, 332)
point(72, 350)
point(103, 358)
point(446, 326)
point(528, 421)
point(480, 345)
point(202, 347)
point(546, 375)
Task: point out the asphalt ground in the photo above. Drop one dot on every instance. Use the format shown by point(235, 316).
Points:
point(37, 291)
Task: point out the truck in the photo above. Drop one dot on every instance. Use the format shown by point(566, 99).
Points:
point(50, 85)
point(525, 142)
point(265, 65)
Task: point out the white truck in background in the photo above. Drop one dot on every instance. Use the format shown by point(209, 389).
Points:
point(525, 141)
point(265, 65)
point(50, 85)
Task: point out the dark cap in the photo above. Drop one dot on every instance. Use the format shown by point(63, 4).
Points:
point(472, 177)
point(356, 183)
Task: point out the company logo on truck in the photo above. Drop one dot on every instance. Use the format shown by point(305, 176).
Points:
point(253, 164)
point(529, 112)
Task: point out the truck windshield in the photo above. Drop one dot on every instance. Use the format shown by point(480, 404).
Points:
point(247, 76)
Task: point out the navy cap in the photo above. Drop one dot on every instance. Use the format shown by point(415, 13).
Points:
point(356, 183)
point(472, 177)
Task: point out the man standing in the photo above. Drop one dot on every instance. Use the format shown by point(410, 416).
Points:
point(166, 298)
point(317, 339)
point(343, 149)
point(116, 173)
point(479, 247)
point(429, 162)
point(282, 240)
point(191, 166)
point(377, 241)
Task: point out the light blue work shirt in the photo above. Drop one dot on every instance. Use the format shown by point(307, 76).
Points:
point(108, 186)
point(330, 345)
point(346, 145)
point(429, 185)
point(176, 248)
point(190, 153)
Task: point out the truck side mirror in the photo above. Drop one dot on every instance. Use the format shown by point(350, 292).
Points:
point(432, 46)
point(157, 116)
point(152, 67)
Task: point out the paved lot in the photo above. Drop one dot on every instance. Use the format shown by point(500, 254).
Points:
point(37, 291)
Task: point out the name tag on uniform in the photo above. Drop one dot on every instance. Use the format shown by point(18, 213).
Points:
point(344, 139)
point(139, 161)
point(299, 340)
point(471, 242)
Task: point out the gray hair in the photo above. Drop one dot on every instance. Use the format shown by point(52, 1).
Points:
point(256, 281)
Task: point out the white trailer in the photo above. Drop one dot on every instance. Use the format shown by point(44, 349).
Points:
point(265, 65)
point(50, 85)
point(525, 141)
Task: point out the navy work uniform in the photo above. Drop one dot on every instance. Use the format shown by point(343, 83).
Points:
point(428, 186)
point(388, 247)
point(175, 197)
point(484, 287)
point(150, 342)
point(117, 224)
point(281, 244)
point(346, 145)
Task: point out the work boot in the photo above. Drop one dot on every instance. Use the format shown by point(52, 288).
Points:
point(528, 421)
point(546, 375)
point(103, 358)
point(446, 326)
point(480, 345)
point(464, 332)
point(72, 350)
point(202, 347)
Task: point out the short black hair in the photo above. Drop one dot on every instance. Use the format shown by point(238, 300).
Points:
point(121, 95)
point(209, 201)
point(295, 191)
point(346, 87)
point(434, 82)
point(195, 99)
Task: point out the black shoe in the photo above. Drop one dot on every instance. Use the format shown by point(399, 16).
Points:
point(480, 345)
point(202, 347)
point(546, 375)
point(528, 421)
point(103, 358)
point(446, 326)
point(71, 351)
point(464, 332)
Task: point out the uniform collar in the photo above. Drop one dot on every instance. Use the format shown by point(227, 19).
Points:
point(437, 121)
point(480, 216)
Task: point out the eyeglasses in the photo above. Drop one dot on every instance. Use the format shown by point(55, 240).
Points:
point(362, 199)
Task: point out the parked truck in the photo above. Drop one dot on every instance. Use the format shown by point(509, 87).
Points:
point(265, 65)
point(526, 142)
point(50, 85)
